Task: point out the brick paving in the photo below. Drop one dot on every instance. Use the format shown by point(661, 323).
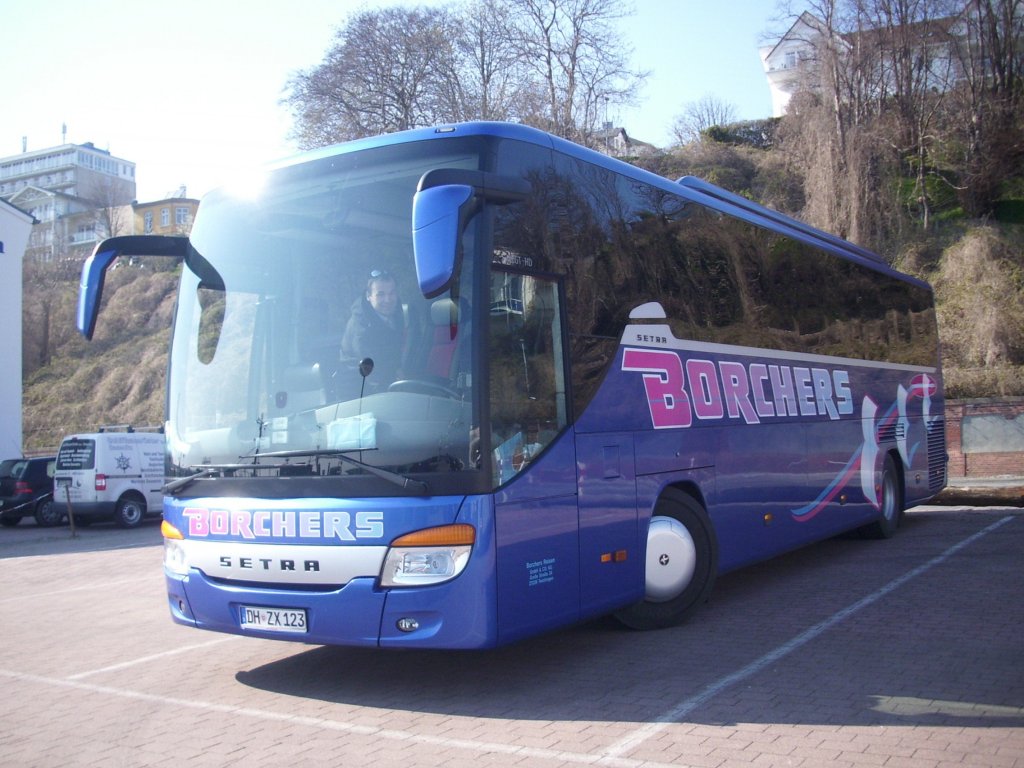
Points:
point(904, 653)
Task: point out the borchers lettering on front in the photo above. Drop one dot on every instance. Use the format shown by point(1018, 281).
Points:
point(266, 524)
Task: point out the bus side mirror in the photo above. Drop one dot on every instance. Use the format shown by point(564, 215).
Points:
point(445, 200)
point(94, 270)
point(438, 217)
point(90, 290)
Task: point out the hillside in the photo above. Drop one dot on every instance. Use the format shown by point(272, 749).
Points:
point(119, 377)
point(979, 288)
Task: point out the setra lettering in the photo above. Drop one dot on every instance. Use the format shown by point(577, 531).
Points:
point(268, 564)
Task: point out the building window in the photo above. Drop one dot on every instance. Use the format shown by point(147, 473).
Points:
point(181, 216)
point(86, 233)
point(147, 222)
point(165, 217)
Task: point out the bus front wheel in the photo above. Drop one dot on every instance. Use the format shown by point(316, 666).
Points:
point(680, 567)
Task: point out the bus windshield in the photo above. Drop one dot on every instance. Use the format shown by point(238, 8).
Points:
point(301, 337)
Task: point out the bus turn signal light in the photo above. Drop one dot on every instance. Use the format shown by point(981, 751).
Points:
point(456, 535)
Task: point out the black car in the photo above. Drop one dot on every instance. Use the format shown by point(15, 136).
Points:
point(26, 488)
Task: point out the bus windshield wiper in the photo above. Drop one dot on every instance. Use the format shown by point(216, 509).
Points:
point(179, 483)
point(393, 477)
point(204, 470)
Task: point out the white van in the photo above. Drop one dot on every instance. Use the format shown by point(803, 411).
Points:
point(111, 475)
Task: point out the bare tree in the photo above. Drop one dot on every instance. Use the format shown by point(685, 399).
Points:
point(875, 78)
point(111, 215)
point(912, 40)
point(556, 64)
point(698, 116)
point(581, 60)
point(986, 121)
point(48, 291)
point(495, 78)
point(927, 91)
point(381, 75)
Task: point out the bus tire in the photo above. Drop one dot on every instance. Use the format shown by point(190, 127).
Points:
point(129, 512)
point(680, 565)
point(891, 508)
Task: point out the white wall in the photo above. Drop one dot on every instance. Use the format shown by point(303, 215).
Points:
point(15, 227)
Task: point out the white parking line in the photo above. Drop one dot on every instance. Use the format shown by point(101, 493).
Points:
point(99, 585)
point(154, 657)
point(685, 707)
point(480, 747)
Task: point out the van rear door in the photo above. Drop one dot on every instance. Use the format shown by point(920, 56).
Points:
point(75, 476)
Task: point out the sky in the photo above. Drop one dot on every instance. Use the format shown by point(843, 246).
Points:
point(191, 91)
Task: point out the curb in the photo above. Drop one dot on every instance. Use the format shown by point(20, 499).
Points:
point(1010, 495)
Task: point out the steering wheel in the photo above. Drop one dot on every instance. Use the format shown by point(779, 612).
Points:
point(424, 387)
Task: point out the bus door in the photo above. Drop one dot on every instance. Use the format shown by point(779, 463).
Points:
point(533, 457)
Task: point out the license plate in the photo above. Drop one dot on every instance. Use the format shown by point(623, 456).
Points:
point(273, 619)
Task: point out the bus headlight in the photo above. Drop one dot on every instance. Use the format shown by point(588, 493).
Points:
point(175, 557)
point(430, 556)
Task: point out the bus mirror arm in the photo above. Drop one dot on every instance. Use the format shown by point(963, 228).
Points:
point(94, 270)
point(445, 200)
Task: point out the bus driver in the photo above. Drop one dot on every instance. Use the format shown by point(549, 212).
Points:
point(379, 329)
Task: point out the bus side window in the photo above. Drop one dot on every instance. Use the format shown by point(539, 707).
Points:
point(527, 371)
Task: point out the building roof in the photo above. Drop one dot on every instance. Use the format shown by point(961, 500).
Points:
point(17, 211)
point(138, 204)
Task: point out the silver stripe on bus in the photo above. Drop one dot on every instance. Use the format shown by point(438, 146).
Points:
point(283, 563)
point(660, 337)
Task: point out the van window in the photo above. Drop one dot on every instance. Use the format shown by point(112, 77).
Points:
point(77, 454)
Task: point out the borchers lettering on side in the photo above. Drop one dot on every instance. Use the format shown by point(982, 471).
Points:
point(678, 392)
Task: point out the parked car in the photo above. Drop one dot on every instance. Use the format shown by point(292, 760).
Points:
point(26, 489)
point(115, 476)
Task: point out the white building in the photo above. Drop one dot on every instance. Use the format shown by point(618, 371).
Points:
point(76, 170)
point(15, 227)
point(782, 60)
point(76, 193)
point(788, 64)
point(615, 142)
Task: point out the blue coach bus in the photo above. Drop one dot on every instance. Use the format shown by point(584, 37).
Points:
point(608, 389)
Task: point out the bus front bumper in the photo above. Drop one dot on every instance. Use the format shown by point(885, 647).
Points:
point(453, 615)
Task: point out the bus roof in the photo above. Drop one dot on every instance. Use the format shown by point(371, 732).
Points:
point(688, 187)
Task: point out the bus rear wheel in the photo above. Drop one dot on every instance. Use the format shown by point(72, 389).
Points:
point(891, 504)
point(681, 564)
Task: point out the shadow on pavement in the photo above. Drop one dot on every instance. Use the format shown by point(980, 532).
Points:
point(912, 658)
